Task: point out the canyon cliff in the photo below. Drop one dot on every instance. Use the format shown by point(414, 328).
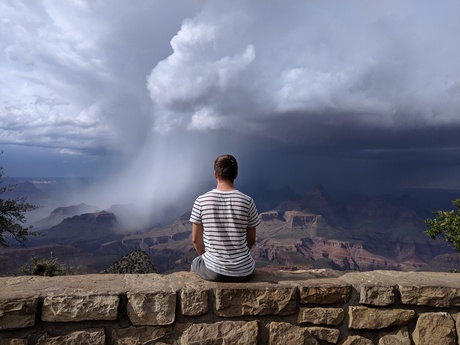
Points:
point(360, 233)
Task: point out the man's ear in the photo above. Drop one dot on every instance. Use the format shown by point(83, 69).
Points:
point(215, 175)
point(236, 175)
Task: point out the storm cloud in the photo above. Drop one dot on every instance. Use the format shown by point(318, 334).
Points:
point(357, 94)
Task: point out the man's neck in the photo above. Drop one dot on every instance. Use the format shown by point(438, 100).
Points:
point(225, 185)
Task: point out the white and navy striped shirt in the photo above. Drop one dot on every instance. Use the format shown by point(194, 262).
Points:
point(225, 217)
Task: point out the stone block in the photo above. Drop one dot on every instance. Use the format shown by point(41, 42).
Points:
point(357, 340)
point(377, 295)
point(374, 318)
point(398, 337)
point(89, 337)
point(18, 312)
point(221, 333)
point(13, 341)
point(330, 335)
point(73, 308)
point(287, 334)
point(153, 308)
point(433, 296)
point(324, 291)
point(434, 328)
point(239, 300)
point(457, 324)
point(139, 335)
point(193, 302)
point(321, 316)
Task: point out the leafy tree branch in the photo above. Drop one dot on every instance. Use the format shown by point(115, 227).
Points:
point(12, 215)
point(447, 223)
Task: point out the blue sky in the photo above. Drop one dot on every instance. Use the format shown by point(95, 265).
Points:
point(356, 94)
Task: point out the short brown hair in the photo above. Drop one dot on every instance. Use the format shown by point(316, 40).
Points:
point(226, 167)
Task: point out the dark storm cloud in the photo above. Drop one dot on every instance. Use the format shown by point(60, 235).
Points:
point(347, 94)
point(375, 65)
point(376, 87)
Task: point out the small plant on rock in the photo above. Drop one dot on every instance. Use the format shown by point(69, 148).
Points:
point(45, 267)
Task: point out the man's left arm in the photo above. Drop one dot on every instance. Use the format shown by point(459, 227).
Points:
point(197, 238)
point(251, 236)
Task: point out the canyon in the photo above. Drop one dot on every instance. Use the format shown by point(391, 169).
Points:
point(359, 233)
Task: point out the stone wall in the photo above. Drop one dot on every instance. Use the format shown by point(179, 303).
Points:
point(303, 307)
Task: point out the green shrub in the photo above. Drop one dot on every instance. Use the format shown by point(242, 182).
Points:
point(44, 267)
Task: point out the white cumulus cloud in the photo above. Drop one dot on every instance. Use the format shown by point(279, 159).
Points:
point(392, 64)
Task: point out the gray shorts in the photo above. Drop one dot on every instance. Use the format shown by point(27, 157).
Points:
point(200, 268)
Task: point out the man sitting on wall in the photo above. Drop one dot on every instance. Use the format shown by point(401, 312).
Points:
point(224, 222)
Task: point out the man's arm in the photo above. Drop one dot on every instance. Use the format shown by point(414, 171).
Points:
point(250, 236)
point(197, 238)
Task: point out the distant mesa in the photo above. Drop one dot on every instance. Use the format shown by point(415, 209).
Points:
point(73, 210)
point(61, 213)
point(27, 189)
point(86, 231)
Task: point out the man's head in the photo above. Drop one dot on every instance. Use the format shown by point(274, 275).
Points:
point(226, 168)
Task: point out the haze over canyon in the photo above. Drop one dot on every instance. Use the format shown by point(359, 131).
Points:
point(298, 231)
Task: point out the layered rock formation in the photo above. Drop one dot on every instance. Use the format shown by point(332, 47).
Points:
point(86, 231)
point(360, 233)
point(61, 213)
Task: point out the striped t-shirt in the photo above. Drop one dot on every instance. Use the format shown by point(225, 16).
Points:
point(225, 217)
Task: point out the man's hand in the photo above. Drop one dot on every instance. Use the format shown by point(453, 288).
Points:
point(197, 238)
